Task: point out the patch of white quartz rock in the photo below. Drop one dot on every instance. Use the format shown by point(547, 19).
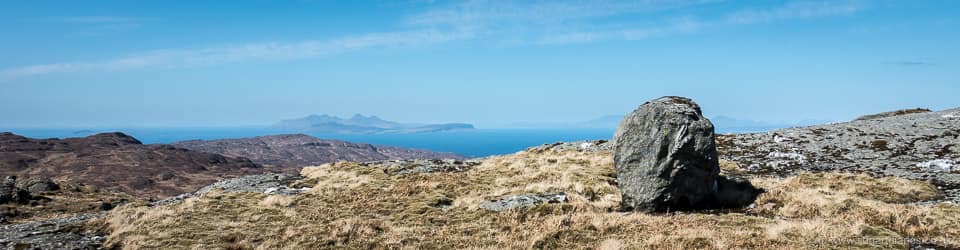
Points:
point(285, 190)
point(780, 160)
point(940, 165)
point(955, 114)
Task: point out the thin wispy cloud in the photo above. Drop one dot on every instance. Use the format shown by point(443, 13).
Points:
point(680, 25)
point(494, 13)
point(789, 11)
point(911, 63)
point(797, 10)
point(240, 53)
point(92, 19)
point(511, 22)
point(91, 26)
point(557, 22)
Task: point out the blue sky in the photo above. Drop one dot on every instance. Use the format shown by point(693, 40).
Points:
point(492, 63)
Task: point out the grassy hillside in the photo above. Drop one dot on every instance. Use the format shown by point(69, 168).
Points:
point(351, 206)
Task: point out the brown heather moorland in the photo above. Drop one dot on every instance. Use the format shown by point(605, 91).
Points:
point(357, 207)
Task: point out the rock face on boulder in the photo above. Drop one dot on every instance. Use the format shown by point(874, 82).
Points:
point(666, 158)
point(10, 193)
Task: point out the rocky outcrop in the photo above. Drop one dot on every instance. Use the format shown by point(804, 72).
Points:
point(264, 183)
point(118, 162)
point(63, 233)
point(299, 150)
point(582, 146)
point(919, 146)
point(893, 113)
point(422, 166)
point(666, 160)
point(10, 193)
point(522, 201)
point(40, 198)
point(38, 185)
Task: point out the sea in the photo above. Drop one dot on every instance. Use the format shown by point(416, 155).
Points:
point(471, 143)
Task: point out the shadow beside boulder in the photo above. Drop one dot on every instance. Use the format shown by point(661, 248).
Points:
point(731, 193)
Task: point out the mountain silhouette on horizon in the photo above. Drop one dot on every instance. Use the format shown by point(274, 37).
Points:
point(360, 124)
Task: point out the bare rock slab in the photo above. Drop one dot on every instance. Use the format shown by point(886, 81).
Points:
point(62, 233)
point(521, 201)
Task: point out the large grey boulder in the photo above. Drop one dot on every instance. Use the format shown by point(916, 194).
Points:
point(666, 158)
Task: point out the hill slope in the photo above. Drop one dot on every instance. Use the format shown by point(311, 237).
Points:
point(118, 162)
point(299, 150)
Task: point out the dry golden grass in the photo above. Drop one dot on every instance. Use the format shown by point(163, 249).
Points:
point(730, 168)
point(362, 207)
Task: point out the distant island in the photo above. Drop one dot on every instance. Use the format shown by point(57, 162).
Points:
point(360, 124)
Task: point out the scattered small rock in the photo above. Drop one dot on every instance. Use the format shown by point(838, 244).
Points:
point(106, 206)
point(173, 199)
point(285, 190)
point(524, 200)
point(582, 146)
point(423, 166)
point(442, 203)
